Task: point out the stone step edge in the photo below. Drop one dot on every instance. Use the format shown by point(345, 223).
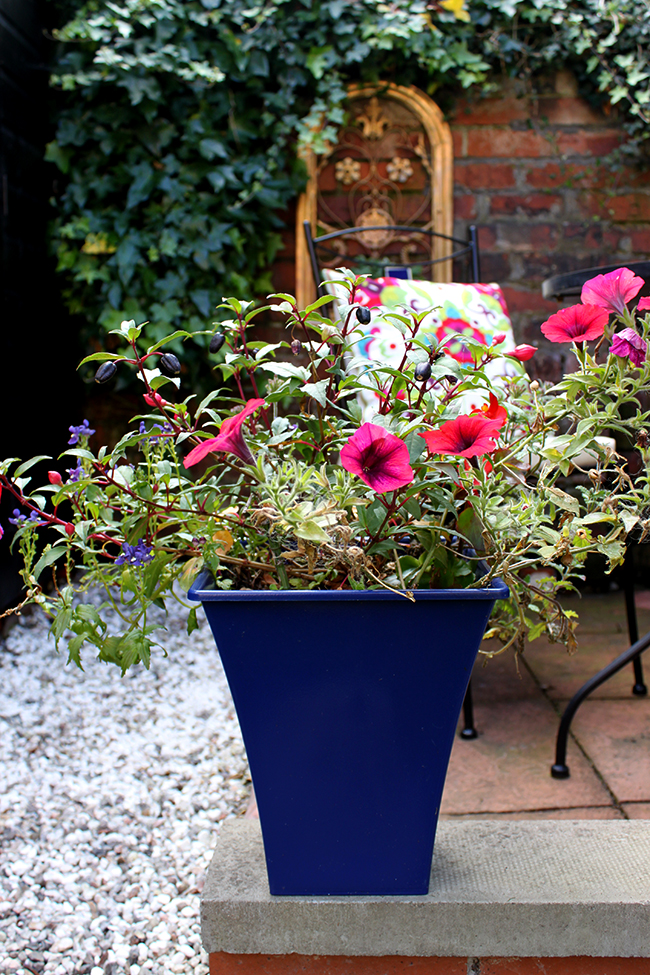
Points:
point(541, 888)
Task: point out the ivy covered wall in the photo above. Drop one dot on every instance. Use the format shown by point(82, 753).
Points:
point(178, 122)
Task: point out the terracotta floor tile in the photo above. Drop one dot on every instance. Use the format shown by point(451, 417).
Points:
point(616, 736)
point(507, 768)
point(637, 810)
point(602, 636)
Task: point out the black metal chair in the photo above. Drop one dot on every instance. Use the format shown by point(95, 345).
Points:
point(569, 285)
point(390, 268)
point(388, 265)
point(563, 286)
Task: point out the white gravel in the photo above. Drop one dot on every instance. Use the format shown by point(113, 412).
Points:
point(112, 791)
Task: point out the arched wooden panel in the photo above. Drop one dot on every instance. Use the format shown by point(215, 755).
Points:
point(392, 165)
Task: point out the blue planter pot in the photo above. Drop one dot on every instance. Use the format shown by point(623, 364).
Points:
point(348, 704)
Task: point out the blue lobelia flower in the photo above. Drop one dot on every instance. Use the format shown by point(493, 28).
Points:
point(135, 555)
point(83, 430)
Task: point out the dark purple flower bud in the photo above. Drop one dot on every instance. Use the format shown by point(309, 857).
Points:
point(628, 344)
point(296, 347)
point(170, 365)
point(105, 372)
point(422, 372)
point(363, 316)
point(216, 342)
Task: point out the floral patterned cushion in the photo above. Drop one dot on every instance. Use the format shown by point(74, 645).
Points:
point(477, 311)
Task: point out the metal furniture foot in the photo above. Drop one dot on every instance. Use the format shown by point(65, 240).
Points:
point(560, 770)
point(468, 731)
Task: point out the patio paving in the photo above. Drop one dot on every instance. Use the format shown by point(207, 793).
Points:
point(505, 772)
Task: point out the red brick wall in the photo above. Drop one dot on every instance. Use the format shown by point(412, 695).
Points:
point(222, 963)
point(528, 172)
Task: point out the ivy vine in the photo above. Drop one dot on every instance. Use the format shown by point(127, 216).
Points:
point(178, 123)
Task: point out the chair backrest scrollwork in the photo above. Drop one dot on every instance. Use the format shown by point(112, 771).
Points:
point(391, 166)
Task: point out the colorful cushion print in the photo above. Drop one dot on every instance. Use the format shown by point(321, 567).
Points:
point(477, 311)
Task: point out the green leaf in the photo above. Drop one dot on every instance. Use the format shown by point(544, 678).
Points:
point(29, 464)
point(49, 556)
point(100, 357)
point(564, 501)
point(312, 532)
point(192, 622)
point(317, 391)
point(416, 445)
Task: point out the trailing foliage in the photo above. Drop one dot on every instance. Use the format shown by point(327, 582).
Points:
point(178, 137)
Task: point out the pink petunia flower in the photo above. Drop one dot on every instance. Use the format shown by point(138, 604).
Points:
point(628, 344)
point(378, 457)
point(579, 323)
point(230, 439)
point(612, 291)
point(522, 352)
point(466, 436)
point(644, 304)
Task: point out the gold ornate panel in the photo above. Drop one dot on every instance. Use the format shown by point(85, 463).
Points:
point(391, 166)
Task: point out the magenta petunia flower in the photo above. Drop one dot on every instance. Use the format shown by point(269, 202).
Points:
point(644, 304)
point(230, 439)
point(579, 323)
point(612, 291)
point(628, 344)
point(378, 457)
point(466, 436)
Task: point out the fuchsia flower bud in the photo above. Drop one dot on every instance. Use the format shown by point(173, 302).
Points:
point(499, 338)
point(522, 352)
point(155, 399)
point(69, 529)
point(54, 477)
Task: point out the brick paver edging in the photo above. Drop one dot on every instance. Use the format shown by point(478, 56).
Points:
point(225, 964)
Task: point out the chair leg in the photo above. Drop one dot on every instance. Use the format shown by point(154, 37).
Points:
point(639, 687)
point(560, 770)
point(468, 731)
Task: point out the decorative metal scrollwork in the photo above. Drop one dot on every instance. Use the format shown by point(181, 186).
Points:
point(377, 175)
point(391, 167)
point(399, 169)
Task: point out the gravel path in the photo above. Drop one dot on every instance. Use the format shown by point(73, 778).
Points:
point(111, 792)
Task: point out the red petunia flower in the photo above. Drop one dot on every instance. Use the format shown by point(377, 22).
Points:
point(579, 323)
point(612, 291)
point(378, 457)
point(492, 411)
point(466, 436)
point(628, 344)
point(230, 439)
point(522, 352)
